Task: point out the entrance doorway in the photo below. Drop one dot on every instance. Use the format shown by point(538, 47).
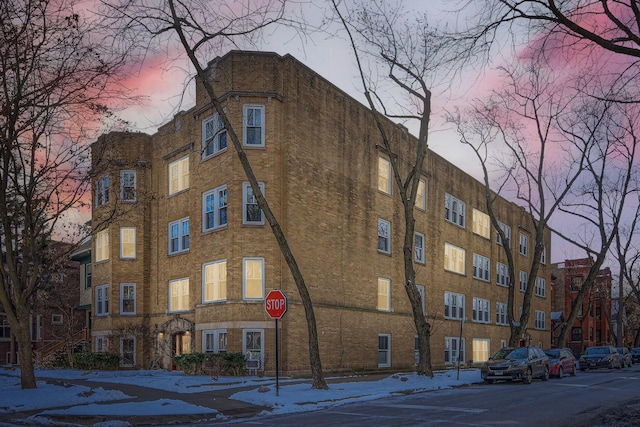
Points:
point(181, 344)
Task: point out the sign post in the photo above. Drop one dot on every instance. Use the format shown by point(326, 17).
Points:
point(275, 304)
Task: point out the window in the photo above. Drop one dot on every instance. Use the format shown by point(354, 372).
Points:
point(419, 247)
point(541, 321)
point(253, 278)
point(501, 313)
point(481, 310)
point(507, 232)
point(128, 242)
point(454, 258)
point(214, 208)
point(384, 294)
point(541, 287)
point(384, 236)
point(102, 245)
point(127, 298)
point(453, 350)
point(480, 350)
point(179, 236)
point(102, 191)
point(453, 305)
point(503, 343)
point(576, 334)
point(524, 245)
point(57, 319)
point(252, 343)
point(5, 329)
point(127, 352)
point(179, 295)
point(502, 274)
point(384, 175)
point(253, 125)
point(101, 343)
point(128, 186)
point(481, 268)
point(102, 300)
point(422, 298)
point(384, 350)
point(543, 255)
point(214, 341)
point(214, 136)
point(214, 278)
point(523, 281)
point(481, 223)
point(251, 212)
point(421, 195)
point(179, 175)
point(454, 210)
point(87, 276)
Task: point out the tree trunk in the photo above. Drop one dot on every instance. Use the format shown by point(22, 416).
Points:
point(25, 354)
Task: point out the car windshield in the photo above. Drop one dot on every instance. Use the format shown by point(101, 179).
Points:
point(553, 353)
point(597, 350)
point(511, 353)
point(620, 350)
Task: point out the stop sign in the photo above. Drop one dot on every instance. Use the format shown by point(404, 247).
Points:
point(275, 304)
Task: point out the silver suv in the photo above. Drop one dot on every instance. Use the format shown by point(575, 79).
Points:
point(524, 363)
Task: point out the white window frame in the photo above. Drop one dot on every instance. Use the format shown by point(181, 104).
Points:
point(101, 343)
point(502, 274)
point(501, 314)
point(217, 343)
point(419, 247)
point(255, 350)
point(178, 175)
point(384, 294)
point(384, 175)
point(179, 295)
point(481, 223)
point(454, 258)
point(481, 268)
point(87, 274)
point(101, 301)
point(524, 278)
point(421, 195)
point(481, 310)
point(384, 354)
point(130, 286)
point(384, 236)
point(454, 210)
point(543, 255)
point(454, 307)
point(245, 293)
point(216, 210)
point(507, 231)
point(246, 125)
point(214, 281)
point(251, 200)
point(481, 348)
point(214, 136)
point(541, 287)
point(183, 237)
point(541, 320)
point(102, 245)
point(128, 185)
point(102, 191)
point(423, 298)
point(524, 245)
point(127, 242)
point(454, 350)
point(57, 319)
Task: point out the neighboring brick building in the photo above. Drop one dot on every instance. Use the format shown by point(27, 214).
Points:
point(591, 327)
point(186, 262)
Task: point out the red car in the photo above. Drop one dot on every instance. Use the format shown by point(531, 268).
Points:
point(561, 361)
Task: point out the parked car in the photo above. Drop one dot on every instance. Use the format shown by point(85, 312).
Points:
point(635, 354)
point(561, 361)
point(625, 355)
point(524, 363)
point(604, 356)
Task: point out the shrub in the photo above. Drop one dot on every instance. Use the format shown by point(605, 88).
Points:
point(191, 363)
point(96, 361)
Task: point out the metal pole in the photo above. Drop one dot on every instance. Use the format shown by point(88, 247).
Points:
point(277, 363)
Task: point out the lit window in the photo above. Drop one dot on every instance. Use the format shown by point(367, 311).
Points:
point(524, 245)
point(481, 267)
point(128, 242)
point(480, 350)
point(128, 186)
point(253, 278)
point(419, 248)
point(127, 298)
point(421, 195)
point(251, 212)
point(384, 175)
point(453, 305)
point(384, 294)
point(454, 258)
point(384, 236)
point(501, 313)
point(253, 125)
point(179, 175)
point(481, 310)
point(102, 300)
point(102, 191)
point(454, 210)
point(384, 350)
point(214, 208)
point(179, 295)
point(214, 136)
point(453, 350)
point(507, 232)
point(214, 281)
point(502, 274)
point(541, 287)
point(179, 236)
point(481, 223)
point(102, 245)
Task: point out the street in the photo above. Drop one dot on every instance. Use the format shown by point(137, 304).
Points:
point(570, 401)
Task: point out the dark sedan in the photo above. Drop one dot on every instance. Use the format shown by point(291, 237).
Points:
point(604, 356)
point(525, 363)
point(635, 354)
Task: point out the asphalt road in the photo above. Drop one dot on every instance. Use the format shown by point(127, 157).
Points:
point(592, 398)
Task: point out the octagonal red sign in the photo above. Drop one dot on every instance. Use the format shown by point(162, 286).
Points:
point(275, 304)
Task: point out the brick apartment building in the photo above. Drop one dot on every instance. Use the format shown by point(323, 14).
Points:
point(591, 327)
point(185, 263)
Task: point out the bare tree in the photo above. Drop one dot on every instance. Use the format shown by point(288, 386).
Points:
point(55, 76)
point(202, 27)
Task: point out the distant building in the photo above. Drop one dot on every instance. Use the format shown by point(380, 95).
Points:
point(187, 259)
point(591, 327)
